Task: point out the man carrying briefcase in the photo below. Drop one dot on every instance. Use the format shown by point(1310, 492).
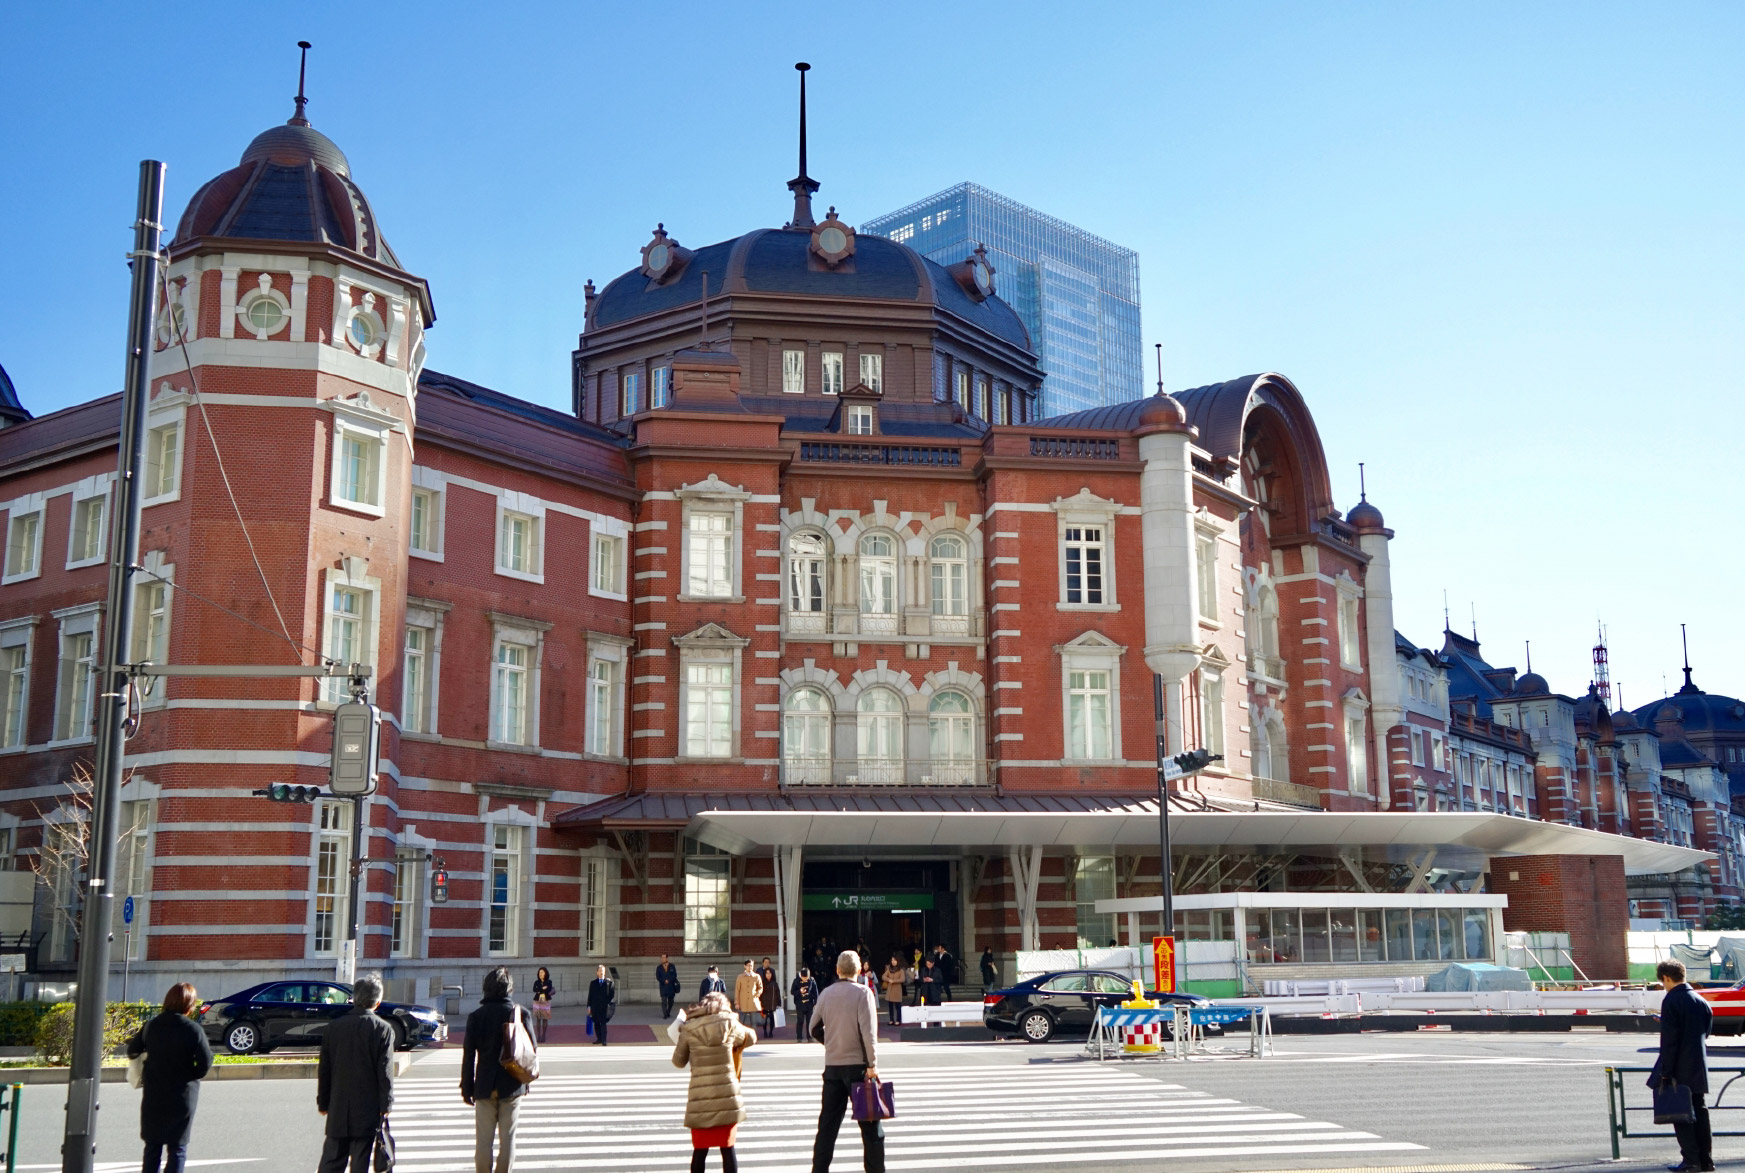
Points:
point(1684, 1064)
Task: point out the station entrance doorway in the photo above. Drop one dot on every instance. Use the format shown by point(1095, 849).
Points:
point(885, 907)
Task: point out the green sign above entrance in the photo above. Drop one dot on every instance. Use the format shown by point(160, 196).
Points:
point(873, 901)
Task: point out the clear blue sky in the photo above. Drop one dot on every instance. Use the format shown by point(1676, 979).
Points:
point(1498, 246)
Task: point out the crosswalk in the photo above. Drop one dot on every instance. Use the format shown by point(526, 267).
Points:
point(953, 1117)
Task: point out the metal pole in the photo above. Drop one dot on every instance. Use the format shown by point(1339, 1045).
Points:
point(79, 1149)
point(12, 1130)
point(126, 956)
point(1157, 695)
point(358, 831)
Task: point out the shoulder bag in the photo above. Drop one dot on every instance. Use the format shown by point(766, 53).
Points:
point(872, 1099)
point(519, 1057)
point(136, 1070)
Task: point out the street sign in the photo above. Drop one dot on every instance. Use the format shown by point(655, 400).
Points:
point(867, 901)
point(357, 728)
point(1222, 1015)
point(12, 962)
point(127, 911)
point(1163, 963)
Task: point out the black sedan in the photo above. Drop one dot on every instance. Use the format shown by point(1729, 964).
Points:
point(294, 1014)
point(1054, 1004)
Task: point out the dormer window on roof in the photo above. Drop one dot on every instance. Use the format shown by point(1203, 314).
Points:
point(858, 419)
point(832, 240)
point(663, 258)
point(976, 274)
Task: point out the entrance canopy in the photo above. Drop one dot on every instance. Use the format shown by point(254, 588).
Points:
point(747, 823)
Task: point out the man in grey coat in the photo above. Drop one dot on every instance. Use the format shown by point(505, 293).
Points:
point(849, 1023)
point(354, 1083)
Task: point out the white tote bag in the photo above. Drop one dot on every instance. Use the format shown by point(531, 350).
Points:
point(781, 1018)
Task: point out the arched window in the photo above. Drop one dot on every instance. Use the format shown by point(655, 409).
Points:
point(879, 734)
point(878, 584)
point(806, 737)
point(1267, 662)
point(1272, 754)
point(951, 739)
point(950, 585)
point(806, 582)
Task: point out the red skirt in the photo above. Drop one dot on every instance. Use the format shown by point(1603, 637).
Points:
point(720, 1137)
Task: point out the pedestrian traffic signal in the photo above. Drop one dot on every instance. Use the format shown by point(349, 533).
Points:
point(1196, 759)
point(284, 792)
point(439, 884)
point(357, 729)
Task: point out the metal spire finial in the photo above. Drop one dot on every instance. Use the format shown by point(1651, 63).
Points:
point(1689, 685)
point(1362, 487)
point(1529, 655)
point(298, 118)
point(802, 185)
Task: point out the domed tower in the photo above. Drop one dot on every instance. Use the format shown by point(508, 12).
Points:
point(1386, 693)
point(279, 454)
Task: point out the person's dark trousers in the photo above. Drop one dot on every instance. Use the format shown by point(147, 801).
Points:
point(666, 1005)
point(1694, 1142)
point(599, 1029)
point(173, 1157)
point(837, 1081)
point(343, 1151)
point(802, 1022)
point(769, 1026)
point(894, 1013)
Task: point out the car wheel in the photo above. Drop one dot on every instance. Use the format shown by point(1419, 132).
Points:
point(400, 1043)
point(242, 1038)
point(1036, 1026)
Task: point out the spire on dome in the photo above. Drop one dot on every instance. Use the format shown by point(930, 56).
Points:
point(297, 116)
point(1689, 685)
point(802, 185)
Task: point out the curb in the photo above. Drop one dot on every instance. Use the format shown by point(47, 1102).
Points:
point(297, 1069)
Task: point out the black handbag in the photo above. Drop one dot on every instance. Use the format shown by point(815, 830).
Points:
point(1672, 1104)
point(383, 1157)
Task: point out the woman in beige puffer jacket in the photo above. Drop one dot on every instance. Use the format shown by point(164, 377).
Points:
point(710, 1042)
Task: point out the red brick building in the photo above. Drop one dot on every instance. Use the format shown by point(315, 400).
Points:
point(798, 627)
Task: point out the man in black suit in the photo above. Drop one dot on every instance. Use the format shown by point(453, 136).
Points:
point(666, 976)
point(354, 1081)
point(1684, 1024)
point(602, 1003)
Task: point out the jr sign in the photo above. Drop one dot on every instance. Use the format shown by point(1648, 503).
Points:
point(870, 901)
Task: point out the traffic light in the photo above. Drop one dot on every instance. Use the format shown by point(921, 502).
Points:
point(284, 792)
point(439, 884)
point(357, 730)
point(1196, 759)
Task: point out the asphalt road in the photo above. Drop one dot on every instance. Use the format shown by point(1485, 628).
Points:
point(1469, 1101)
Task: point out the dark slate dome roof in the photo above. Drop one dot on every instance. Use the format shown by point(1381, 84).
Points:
point(777, 260)
point(292, 184)
point(1700, 711)
point(1365, 516)
point(1532, 684)
point(10, 407)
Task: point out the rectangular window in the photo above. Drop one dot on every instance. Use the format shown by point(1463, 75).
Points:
point(151, 623)
point(1438, 760)
point(1084, 564)
point(403, 933)
point(708, 710)
point(332, 876)
point(505, 891)
point(1355, 754)
point(509, 694)
point(415, 709)
point(794, 372)
point(659, 384)
point(24, 545)
point(1212, 712)
point(1206, 564)
point(1416, 741)
point(426, 535)
point(632, 392)
point(73, 715)
point(981, 404)
point(960, 388)
point(347, 620)
point(860, 421)
point(1089, 729)
point(832, 368)
point(708, 891)
point(85, 543)
point(1000, 401)
point(163, 461)
point(14, 689)
point(360, 469)
point(872, 371)
point(602, 708)
point(709, 540)
point(1350, 653)
point(608, 564)
point(596, 900)
point(950, 587)
point(132, 875)
point(1094, 880)
point(518, 543)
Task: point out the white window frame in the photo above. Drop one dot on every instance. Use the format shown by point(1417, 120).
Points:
point(353, 575)
point(133, 869)
point(713, 645)
point(511, 506)
point(17, 634)
point(405, 903)
point(373, 435)
point(161, 422)
point(857, 420)
point(803, 570)
point(1211, 710)
point(1090, 652)
point(630, 394)
point(333, 827)
point(1076, 513)
point(143, 644)
point(960, 383)
point(872, 371)
point(1350, 619)
point(660, 386)
point(803, 762)
point(944, 572)
point(1086, 895)
point(713, 496)
point(867, 573)
point(519, 851)
point(950, 766)
point(614, 651)
point(427, 615)
point(1206, 574)
point(1356, 712)
point(606, 551)
point(434, 489)
point(793, 371)
point(31, 509)
point(877, 765)
point(711, 867)
point(88, 492)
point(85, 621)
point(832, 371)
point(528, 634)
point(597, 899)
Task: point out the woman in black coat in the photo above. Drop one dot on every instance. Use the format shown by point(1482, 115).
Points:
point(177, 1056)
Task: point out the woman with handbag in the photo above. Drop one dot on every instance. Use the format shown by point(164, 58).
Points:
point(543, 990)
point(176, 1056)
point(712, 1044)
point(895, 978)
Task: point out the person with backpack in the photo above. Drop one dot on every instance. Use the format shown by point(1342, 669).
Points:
point(602, 1002)
point(712, 1043)
point(492, 1090)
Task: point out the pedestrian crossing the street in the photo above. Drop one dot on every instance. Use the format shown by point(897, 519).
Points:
point(949, 1118)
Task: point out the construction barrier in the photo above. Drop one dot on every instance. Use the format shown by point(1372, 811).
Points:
point(1140, 1032)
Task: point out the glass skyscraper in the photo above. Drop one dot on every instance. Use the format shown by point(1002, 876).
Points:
point(1077, 293)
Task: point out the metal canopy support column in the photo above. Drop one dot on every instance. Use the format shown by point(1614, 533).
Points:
point(787, 865)
point(1026, 877)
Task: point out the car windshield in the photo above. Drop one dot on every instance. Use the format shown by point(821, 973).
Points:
point(1066, 983)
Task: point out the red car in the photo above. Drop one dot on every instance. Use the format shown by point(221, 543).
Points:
point(1728, 1003)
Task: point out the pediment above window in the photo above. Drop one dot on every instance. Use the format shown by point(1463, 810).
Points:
point(1086, 503)
point(710, 635)
point(1091, 641)
point(714, 488)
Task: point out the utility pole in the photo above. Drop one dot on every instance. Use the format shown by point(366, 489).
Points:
point(1163, 777)
point(79, 1148)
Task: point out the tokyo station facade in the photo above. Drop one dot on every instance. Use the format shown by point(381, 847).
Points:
point(798, 626)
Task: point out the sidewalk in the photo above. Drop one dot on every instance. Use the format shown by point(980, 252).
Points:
point(640, 1023)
